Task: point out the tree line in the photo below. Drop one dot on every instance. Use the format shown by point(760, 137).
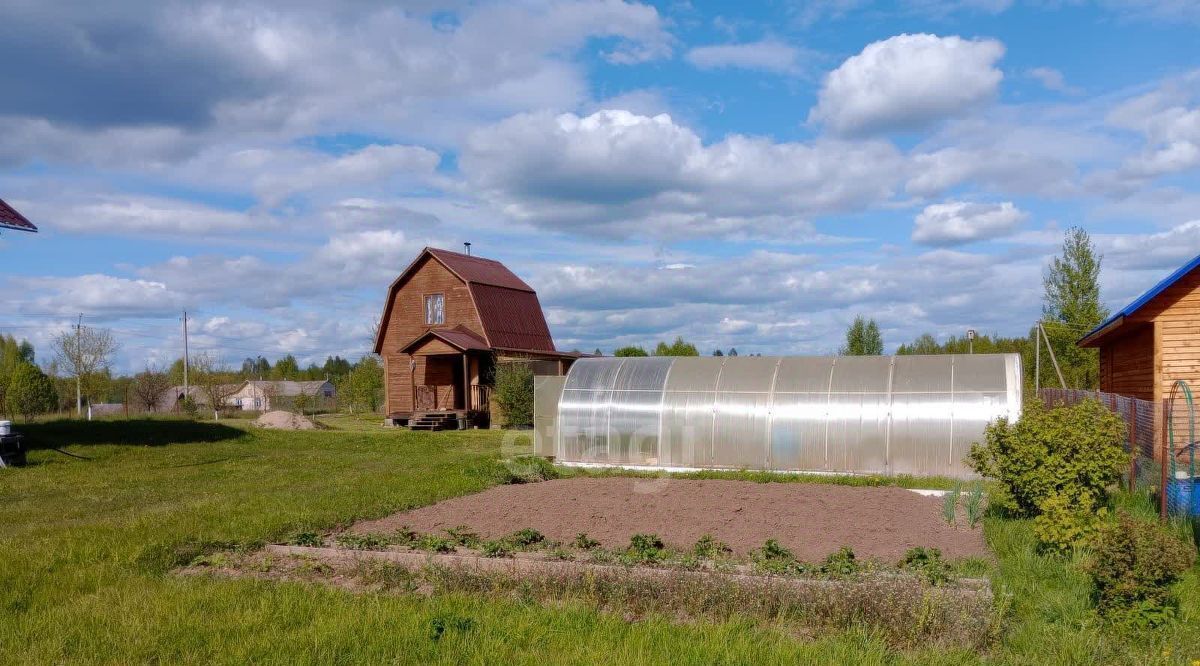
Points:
point(1071, 307)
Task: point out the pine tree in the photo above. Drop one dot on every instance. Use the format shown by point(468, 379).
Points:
point(1071, 307)
point(30, 391)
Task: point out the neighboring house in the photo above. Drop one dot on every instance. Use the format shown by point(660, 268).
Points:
point(1153, 341)
point(449, 317)
point(11, 219)
point(267, 395)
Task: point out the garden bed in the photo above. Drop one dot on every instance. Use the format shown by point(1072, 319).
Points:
point(812, 520)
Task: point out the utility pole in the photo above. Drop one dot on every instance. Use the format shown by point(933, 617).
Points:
point(1037, 359)
point(78, 361)
point(185, 357)
point(970, 341)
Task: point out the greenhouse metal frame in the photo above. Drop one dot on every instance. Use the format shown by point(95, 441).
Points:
point(852, 414)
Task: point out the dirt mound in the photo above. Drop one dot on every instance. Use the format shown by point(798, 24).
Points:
point(811, 519)
point(282, 420)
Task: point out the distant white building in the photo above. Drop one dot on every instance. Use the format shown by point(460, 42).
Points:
point(262, 396)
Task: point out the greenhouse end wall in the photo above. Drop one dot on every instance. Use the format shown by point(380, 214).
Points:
point(852, 414)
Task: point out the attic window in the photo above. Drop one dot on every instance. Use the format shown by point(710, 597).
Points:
point(435, 309)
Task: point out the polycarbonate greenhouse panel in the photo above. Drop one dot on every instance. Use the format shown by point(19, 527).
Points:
point(547, 391)
point(875, 414)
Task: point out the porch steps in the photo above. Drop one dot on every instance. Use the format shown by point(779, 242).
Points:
point(433, 421)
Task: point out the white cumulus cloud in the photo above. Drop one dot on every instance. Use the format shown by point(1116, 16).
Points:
point(959, 222)
point(908, 82)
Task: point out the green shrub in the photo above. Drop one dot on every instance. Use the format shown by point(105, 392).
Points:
point(774, 558)
point(709, 548)
point(514, 393)
point(1133, 565)
point(1054, 463)
point(584, 542)
point(434, 544)
point(362, 541)
point(310, 539)
point(463, 536)
point(526, 538)
point(645, 547)
point(842, 563)
point(30, 392)
point(496, 549)
point(927, 563)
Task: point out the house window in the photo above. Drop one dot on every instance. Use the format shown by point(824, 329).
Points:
point(435, 309)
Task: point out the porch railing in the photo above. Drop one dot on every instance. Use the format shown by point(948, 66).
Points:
point(481, 397)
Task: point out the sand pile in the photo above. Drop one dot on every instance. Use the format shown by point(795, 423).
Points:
point(282, 420)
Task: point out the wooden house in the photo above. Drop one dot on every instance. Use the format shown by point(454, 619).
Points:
point(448, 319)
point(1153, 341)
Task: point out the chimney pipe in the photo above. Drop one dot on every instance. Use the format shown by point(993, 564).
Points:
point(468, 246)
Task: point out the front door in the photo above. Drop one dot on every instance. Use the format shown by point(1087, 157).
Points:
point(460, 400)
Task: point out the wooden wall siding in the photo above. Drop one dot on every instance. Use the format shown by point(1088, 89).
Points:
point(434, 346)
point(407, 319)
point(1176, 314)
point(1127, 365)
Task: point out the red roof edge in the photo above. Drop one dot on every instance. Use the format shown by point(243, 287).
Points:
point(10, 218)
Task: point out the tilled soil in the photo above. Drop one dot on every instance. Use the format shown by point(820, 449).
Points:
point(811, 519)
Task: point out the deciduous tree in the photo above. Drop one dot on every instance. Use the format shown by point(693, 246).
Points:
point(862, 338)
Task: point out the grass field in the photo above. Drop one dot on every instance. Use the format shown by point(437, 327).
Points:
point(86, 546)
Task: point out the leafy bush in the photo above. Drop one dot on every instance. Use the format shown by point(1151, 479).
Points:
point(434, 544)
point(842, 563)
point(310, 539)
point(495, 549)
point(526, 538)
point(709, 548)
point(645, 547)
point(30, 392)
point(463, 536)
point(927, 563)
point(514, 393)
point(584, 542)
point(774, 558)
point(1054, 463)
point(1133, 566)
point(362, 541)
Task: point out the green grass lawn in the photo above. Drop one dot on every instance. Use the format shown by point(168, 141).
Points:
point(86, 546)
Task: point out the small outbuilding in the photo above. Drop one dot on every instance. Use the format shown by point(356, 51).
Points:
point(1154, 341)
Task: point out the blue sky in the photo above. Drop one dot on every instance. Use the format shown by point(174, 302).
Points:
point(747, 175)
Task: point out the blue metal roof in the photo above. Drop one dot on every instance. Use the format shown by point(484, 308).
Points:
point(1148, 296)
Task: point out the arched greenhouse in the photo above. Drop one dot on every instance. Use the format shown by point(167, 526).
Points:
point(851, 414)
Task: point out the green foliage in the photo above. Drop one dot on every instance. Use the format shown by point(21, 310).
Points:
point(30, 392)
point(13, 354)
point(433, 544)
point(975, 505)
point(361, 388)
point(676, 348)
point(631, 350)
point(1133, 567)
point(774, 558)
point(927, 563)
point(709, 548)
point(355, 541)
point(526, 538)
point(463, 536)
point(1054, 461)
point(438, 626)
point(189, 407)
point(495, 549)
point(524, 469)
point(514, 393)
point(645, 548)
point(862, 339)
point(584, 542)
point(841, 564)
point(950, 504)
point(310, 539)
point(1071, 307)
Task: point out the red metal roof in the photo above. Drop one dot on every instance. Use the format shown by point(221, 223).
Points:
point(459, 338)
point(508, 307)
point(512, 319)
point(479, 270)
point(11, 219)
